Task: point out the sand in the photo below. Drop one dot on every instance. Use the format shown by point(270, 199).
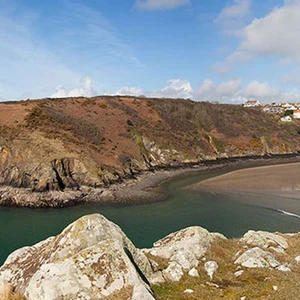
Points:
point(275, 187)
point(280, 178)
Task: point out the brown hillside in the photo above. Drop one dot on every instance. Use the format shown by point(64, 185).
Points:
point(65, 143)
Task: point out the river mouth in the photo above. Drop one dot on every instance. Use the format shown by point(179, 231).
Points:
point(145, 224)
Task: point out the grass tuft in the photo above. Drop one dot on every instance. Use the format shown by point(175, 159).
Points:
point(7, 293)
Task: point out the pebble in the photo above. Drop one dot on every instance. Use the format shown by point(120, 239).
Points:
point(238, 273)
point(193, 273)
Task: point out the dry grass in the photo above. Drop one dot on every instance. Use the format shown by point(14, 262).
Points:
point(7, 293)
point(253, 283)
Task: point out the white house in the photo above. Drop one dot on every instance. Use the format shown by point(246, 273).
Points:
point(292, 107)
point(273, 109)
point(286, 119)
point(252, 103)
point(286, 105)
point(296, 114)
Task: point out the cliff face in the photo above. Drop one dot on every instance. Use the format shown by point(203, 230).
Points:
point(67, 144)
point(93, 259)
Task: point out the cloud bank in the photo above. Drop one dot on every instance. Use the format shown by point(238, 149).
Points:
point(85, 89)
point(231, 91)
point(174, 88)
point(274, 35)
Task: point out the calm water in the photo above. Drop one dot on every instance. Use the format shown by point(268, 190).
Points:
point(145, 224)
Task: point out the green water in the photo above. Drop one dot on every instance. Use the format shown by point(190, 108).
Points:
point(145, 224)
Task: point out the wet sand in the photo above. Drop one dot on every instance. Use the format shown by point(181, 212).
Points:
point(276, 187)
point(279, 178)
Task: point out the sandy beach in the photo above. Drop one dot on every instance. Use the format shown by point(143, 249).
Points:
point(285, 177)
point(276, 187)
point(146, 188)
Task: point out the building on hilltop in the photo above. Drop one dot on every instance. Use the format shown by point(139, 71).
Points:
point(296, 114)
point(252, 103)
point(273, 109)
point(286, 119)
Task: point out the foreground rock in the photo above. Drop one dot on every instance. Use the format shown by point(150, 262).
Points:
point(93, 259)
point(265, 240)
point(257, 258)
point(183, 250)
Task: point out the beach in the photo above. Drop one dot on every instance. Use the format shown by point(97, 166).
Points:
point(268, 184)
point(283, 177)
point(146, 187)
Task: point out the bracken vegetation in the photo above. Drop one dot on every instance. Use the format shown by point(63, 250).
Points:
point(104, 130)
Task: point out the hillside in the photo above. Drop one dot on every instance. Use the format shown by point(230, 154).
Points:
point(67, 144)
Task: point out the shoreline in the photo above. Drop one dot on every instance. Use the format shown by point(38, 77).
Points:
point(275, 187)
point(142, 189)
point(277, 178)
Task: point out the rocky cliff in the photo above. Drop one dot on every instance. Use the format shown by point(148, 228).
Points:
point(74, 145)
point(93, 259)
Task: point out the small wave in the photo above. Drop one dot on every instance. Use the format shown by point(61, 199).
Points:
point(288, 213)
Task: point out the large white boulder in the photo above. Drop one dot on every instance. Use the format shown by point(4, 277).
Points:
point(173, 272)
point(211, 267)
point(265, 240)
point(185, 247)
point(91, 259)
point(257, 258)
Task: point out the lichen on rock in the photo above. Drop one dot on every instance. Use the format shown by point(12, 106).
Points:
point(91, 258)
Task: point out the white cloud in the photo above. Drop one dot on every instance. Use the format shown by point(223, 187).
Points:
point(161, 4)
point(228, 91)
point(238, 9)
point(274, 35)
point(85, 89)
point(175, 88)
point(261, 90)
point(234, 15)
point(130, 91)
point(233, 91)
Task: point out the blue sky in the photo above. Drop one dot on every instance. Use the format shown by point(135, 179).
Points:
point(226, 51)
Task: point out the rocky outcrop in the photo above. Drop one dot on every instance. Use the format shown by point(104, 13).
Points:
point(57, 175)
point(93, 259)
point(211, 267)
point(257, 258)
point(182, 250)
point(265, 240)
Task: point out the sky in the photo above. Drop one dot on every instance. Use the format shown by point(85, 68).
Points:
point(225, 51)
